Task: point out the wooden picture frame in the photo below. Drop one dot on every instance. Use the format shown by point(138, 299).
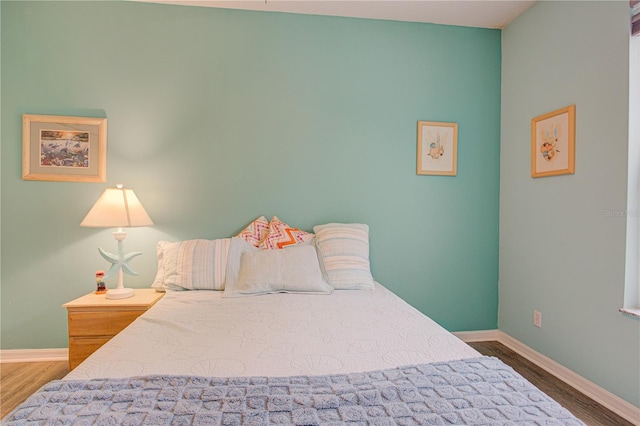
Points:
point(437, 148)
point(64, 148)
point(553, 143)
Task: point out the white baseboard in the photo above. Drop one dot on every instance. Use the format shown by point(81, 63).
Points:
point(34, 355)
point(614, 403)
point(477, 336)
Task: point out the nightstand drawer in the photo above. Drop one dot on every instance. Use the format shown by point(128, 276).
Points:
point(81, 347)
point(105, 323)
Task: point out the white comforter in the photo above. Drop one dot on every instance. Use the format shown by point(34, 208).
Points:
point(201, 333)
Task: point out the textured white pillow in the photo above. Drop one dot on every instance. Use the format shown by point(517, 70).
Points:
point(252, 271)
point(344, 255)
point(192, 264)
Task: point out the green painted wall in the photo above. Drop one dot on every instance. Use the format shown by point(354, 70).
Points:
point(218, 116)
point(560, 252)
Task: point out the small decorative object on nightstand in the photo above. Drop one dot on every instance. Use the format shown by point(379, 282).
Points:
point(101, 287)
point(94, 320)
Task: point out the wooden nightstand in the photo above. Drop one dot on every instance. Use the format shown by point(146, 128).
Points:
point(94, 320)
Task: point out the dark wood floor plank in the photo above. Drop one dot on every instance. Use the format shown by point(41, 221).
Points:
point(583, 407)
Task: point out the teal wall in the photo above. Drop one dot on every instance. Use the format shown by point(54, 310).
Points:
point(218, 116)
point(560, 253)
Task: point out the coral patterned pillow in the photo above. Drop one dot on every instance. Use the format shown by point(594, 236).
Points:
point(282, 235)
point(255, 232)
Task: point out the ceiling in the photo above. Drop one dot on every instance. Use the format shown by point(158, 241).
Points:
point(469, 13)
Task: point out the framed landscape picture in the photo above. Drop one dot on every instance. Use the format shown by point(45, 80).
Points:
point(437, 148)
point(553, 143)
point(63, 148)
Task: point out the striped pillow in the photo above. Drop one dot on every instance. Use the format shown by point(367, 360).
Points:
point(192, 265)
point(344, 255)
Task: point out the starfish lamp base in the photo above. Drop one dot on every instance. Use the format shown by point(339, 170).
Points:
point(119, 262)
point(119, 293)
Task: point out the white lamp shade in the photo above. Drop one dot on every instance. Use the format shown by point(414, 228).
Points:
point(117, 208)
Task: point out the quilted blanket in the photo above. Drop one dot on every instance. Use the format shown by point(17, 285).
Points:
point(478, 391)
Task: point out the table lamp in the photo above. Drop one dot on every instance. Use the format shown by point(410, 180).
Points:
point(118, 208)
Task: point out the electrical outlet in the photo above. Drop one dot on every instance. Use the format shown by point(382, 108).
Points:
point(537, 319)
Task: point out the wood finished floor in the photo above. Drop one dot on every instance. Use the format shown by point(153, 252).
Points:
point(580, 405)
point(19, 380)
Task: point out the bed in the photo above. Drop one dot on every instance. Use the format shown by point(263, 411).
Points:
point(361, 356)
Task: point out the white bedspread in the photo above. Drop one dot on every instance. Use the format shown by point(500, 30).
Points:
point(200, 333)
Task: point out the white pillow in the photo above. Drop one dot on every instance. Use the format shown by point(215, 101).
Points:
point(343, 249)
point(192, 264)
point(253, 271)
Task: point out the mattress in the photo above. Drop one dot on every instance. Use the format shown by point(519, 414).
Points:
point(203, 334)
point(363, 357)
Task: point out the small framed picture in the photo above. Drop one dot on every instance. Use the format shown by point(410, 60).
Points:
point(65, 149)
point(553, 143)
point(437, 148)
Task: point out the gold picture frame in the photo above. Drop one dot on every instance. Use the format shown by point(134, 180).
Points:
point(64, 148)
point(553, 143)
point(437, 148)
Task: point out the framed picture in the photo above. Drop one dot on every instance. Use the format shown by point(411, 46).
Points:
point(553, 143)
point(437, 148)
point(65, 149)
